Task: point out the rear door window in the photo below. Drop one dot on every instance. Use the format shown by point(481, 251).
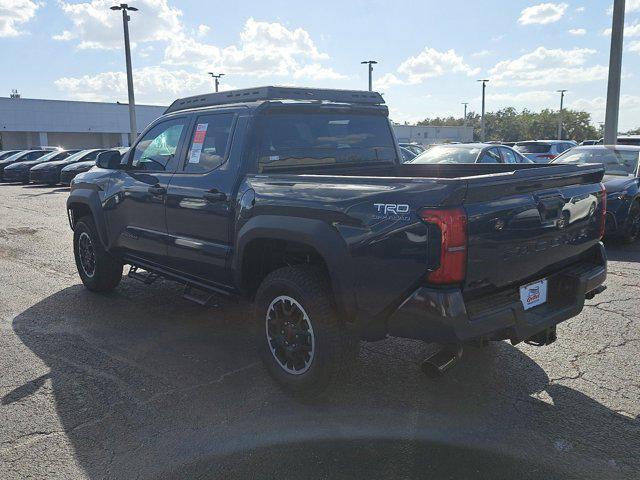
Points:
point(209, 142)
point(508, 156)
point(320, 141)
point(533, 147)
point(490, 156)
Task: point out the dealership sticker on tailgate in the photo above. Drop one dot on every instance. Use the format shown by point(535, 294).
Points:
point(533, 294)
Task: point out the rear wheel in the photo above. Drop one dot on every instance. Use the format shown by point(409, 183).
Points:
point(632, 227)
point(99, 271)
point(301, 339)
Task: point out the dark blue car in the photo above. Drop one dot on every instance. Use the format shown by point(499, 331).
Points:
point(621, 181)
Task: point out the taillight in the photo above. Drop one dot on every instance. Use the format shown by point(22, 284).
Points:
point(452, 223)
point(549, 156)
point(603, 210)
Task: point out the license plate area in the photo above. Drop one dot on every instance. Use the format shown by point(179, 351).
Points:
point(534, 294)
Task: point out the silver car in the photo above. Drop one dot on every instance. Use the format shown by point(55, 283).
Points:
point(543, 151)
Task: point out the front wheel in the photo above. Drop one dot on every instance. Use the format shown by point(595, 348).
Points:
point(99, 271)
point(302, 341)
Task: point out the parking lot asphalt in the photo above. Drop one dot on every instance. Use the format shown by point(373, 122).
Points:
point(142, 383)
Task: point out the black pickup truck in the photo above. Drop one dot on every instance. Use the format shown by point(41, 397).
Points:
point(296, 199)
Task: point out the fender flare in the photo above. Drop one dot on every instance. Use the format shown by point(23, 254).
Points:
point(89, 198)
point(314, 233)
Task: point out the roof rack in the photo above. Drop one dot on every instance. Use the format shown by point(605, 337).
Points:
point(276, 93)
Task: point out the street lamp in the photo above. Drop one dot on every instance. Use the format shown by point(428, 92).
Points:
point(216, 78)
point(127, 52)
point(371, 63)
point(561, 92)
point(484, 88)
point(465, 112)
point(615, 70)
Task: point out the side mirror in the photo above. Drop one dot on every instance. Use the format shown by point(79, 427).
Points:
point(109, 159)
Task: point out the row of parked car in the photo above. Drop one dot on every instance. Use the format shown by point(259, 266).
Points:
point(50, 166)
point(621, 180)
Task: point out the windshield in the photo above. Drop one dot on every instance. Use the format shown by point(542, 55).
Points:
point(533, 147)
point(445, 154)
point(77, 156)
point(322, 140)
point(616, 162)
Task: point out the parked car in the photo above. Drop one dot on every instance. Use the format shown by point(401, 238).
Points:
point(625, 140)
point(19, 171)
point(621, 181)
point(68, 173)
point(470, 153)
point(21, 156)
point(543, 151)
point(49, 172)
point(7, 153)
point(588, 142)
point(413, 147)
point(407, 154)
point(305, 208)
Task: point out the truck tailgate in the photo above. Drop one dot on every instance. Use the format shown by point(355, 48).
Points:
point(525, 224)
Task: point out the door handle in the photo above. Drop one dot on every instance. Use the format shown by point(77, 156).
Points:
point(215, 196)
point(157, 190)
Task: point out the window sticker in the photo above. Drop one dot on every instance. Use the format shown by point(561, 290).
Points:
point(198, 141)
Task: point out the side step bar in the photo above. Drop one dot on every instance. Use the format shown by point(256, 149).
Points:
point(200, 294)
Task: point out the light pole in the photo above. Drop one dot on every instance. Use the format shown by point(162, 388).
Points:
point(482, 128)
point(561, 92)
point(216, 78)
point(615, 70)
point(127, 53)
point(465, 113)
point(371, 63)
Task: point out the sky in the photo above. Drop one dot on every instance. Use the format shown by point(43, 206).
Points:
point(430, 53)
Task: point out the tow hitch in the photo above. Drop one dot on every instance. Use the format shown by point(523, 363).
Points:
point(438, 363)
point(545, 337)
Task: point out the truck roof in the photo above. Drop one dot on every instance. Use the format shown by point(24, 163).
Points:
point(259, 95)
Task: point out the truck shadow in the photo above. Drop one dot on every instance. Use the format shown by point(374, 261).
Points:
point(147, 384)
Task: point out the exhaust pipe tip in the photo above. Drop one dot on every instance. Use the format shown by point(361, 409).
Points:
point(437, 364)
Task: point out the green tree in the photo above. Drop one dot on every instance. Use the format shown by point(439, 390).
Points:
point(509, 125)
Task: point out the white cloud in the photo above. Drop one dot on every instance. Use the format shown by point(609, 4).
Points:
point(265, 49)
point(522, 98)
point(630, 30)
point(14, 13)
point(433, 63)
point(97, 27)
point(386, 81)
point(634, 46)
point(65, 36)
point(542, 13)
point(203, 30)
point(481, 53)
point(630, 6)
point(155, 85)
point(577, 31)
point(629, 113)
point(580, 9)
point(545, 66)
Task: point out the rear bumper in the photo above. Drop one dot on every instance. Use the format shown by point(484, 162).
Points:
point(44, 176)
point(443, 316)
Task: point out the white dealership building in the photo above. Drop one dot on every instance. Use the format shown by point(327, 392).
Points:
point(27, 123)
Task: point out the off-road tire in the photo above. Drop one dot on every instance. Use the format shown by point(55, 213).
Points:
point(335, 346)
point(107, 271)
